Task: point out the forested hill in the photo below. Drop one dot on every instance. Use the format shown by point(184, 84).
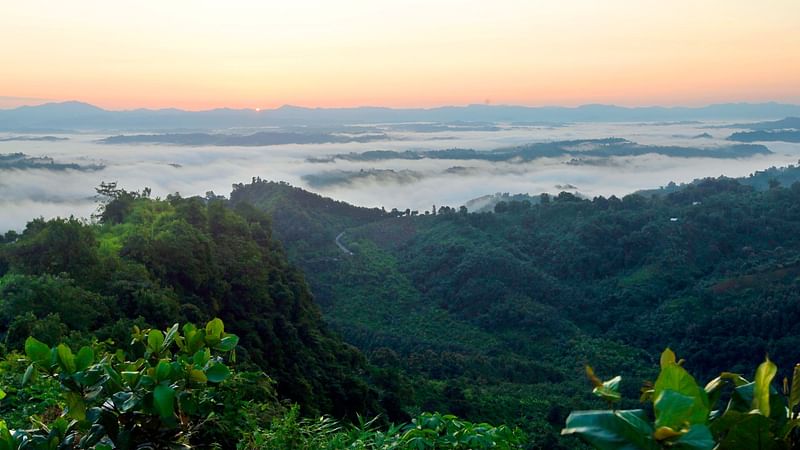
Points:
point(308, 221)
point(159, 262)
point(493, 315)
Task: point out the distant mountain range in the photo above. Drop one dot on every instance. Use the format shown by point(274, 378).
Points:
point(77, 116)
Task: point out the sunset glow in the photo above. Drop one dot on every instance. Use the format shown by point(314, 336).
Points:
point(206, 54)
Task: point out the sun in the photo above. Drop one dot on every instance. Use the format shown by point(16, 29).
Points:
point(258, 109)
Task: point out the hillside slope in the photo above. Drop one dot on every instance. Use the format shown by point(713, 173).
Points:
point(494, 315)
point(160, 262)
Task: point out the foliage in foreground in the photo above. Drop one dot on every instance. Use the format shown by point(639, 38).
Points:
point(686, 416)
point(168, 393)
point(156, 397)
point(428, 431)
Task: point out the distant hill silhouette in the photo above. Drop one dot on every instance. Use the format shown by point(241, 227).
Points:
point(782, 124)
point(766, 135)
point(82, 116)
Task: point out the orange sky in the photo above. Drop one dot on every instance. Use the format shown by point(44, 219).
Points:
point(202, 54)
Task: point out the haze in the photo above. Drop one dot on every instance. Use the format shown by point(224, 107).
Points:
point(205, 54)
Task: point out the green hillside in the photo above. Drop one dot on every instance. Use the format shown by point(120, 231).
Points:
point(157, 262)
point(494, 315)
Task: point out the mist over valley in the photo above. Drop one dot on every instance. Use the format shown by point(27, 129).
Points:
point(392, 165)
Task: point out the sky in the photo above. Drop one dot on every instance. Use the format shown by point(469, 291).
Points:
point(197, 54)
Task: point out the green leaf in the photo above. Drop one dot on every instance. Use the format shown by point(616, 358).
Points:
point(214, 332)
point(673, 409)
point(131, 377)
point(65, 358)
point(215, 328)
point(612, 430)
point(697, 438)
point(228, 343)
point(609, 390)
point(76, 407)
point(29, 372)
point(794, 396)
point(37, 351)
point(714, 387)
point(201, 357)
point(2, 394)
point(667, 358)
point(115, 380)
point(764, 375)
point(170, 337)
point(164, 401)
point(84, 358)
point(196, 340)
point(675, 378)
point(198, 376)
point(7, 441)
point(217, 373)
point(163, 369)
point(155, 339)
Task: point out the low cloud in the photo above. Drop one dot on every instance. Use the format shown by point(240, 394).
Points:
point(25, 194)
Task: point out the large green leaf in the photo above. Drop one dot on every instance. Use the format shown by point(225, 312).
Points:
point(215, 327)
point(764, 375)
point(76, 407)
point(84, 358)
point(7, 441)
point(743, 397)
point(227, 343)
point(675, 378)
point(214, 332)
point(163, 370)
point(155, 339)
point(673, 409)
point(37, 351)
point(612, 430)
point(66, 359)
point(217, 373)
point(164, 401)
point(697, 438)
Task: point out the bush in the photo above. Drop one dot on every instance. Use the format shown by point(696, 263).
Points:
point(685, 416)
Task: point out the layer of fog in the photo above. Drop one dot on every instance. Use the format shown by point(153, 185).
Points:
point(166, 169)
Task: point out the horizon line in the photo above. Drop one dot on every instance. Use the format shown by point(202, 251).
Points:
point(46, 102)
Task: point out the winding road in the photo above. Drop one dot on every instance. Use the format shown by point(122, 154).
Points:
point(341, 246)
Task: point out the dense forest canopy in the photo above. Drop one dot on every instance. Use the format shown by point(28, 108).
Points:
point(493, 315)
point(157, 262)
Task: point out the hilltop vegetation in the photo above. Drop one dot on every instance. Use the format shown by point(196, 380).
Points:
point(157, 262)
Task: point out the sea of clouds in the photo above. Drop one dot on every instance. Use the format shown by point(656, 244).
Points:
point(166, 169)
